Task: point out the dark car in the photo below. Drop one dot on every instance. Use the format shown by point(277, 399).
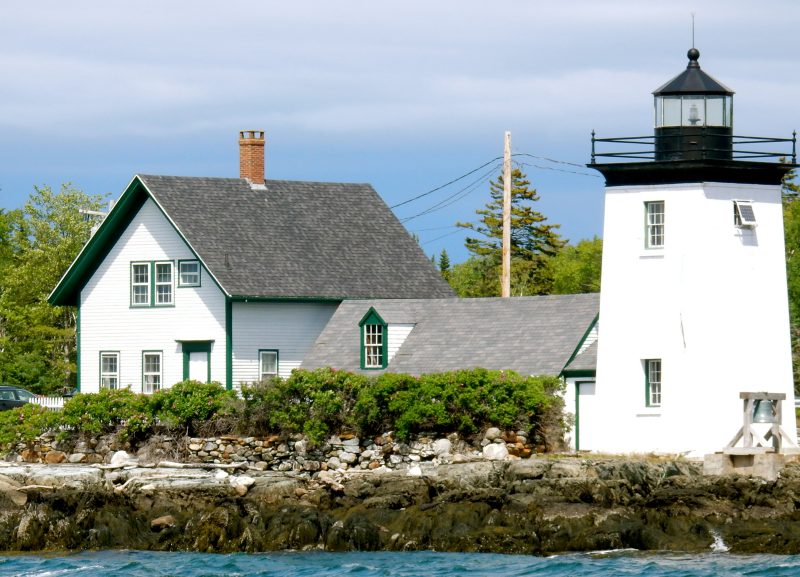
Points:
point(12, 397)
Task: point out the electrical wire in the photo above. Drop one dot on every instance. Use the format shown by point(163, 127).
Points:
point(441, 237)
point(447, 183)
point(549, 159)
point(539, 166)
point(432, 228)
point(474, 170)
point(458, 195)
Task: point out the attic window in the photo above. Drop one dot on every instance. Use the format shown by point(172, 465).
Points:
point(188, 273)
point(374, 340)
point(743, 214)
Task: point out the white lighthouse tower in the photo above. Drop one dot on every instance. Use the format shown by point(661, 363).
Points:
point(693, 306)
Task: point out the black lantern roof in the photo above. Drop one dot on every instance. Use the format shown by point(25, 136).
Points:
point(693, 80)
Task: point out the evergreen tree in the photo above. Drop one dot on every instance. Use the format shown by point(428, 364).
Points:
point(444, 264)
point(533, 241)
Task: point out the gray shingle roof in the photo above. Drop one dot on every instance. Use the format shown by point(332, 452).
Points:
point(585, 361)
point(297, 239)
point(531, 335)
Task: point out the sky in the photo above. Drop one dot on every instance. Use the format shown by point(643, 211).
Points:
point(404, 94)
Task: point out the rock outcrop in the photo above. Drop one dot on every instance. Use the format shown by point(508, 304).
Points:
point(538, 506)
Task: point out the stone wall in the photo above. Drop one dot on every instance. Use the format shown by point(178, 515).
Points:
point(281, 453)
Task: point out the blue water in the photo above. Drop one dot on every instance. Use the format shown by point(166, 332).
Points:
point(427, 564)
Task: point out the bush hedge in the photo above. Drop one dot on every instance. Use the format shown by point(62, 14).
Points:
point(315, 403)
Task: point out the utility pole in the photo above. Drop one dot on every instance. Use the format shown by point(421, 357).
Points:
point(505, 278)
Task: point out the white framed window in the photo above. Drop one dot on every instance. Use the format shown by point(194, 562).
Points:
point(654, 224)
point(151, 371)
point(163, 276)
point(188, 273)
point(373, 346)
point(268, 364)
point(140, 284)
point(109, 370)
point(743, 214)
point(653, 382)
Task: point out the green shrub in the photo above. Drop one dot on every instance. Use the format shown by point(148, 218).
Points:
point(102, 412)
point(188, 404)
point(315, 403)
point(371, 412)
point(25, 423)
point(469, 400)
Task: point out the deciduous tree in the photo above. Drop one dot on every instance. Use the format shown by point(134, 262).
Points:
point(37, 343)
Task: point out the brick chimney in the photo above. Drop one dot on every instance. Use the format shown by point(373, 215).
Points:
point(251, 156)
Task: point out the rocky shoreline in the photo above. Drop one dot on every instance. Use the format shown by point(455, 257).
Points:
point(540, 505)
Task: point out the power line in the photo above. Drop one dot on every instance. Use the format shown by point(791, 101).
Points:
point(441, 237)
point(463, 176)
point(446, 184)
point(433, 228)
point(549, 159)
point(557, 169)
point(458, 195)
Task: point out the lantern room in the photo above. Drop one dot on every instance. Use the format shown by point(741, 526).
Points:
point(693, 116)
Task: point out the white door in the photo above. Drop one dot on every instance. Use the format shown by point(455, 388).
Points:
point(585, 414)
point(198, 366)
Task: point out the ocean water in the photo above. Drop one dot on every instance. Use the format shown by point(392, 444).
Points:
point(423, 564)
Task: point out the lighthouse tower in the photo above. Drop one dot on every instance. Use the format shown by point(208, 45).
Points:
point(693, 306)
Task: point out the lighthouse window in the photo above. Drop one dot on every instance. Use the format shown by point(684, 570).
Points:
point(694, 112)
point(652, 369)
point(654, 224)
point(743, 214)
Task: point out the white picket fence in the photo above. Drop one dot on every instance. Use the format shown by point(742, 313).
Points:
point(53, 403)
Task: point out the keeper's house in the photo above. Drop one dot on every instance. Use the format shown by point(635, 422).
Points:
point(230, 279)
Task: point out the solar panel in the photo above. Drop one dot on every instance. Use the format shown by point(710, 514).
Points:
point(745, 214)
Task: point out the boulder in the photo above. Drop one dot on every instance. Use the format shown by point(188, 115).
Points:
point(163, 522)
point(55, 457)
point(495, 452)
point(442, 447)
point(123, 458)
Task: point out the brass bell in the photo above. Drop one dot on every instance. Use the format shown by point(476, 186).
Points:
point(764, 412)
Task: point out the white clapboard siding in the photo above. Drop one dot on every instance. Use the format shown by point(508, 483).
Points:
point(109, 323)
point(289, 328)
point(397, 336)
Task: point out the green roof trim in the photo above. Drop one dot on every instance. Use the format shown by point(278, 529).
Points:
point(580, 373)
point(67, 291)
point(564, 371)
point(371, 318)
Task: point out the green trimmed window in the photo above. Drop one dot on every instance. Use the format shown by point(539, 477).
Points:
point(151, 371)
point(152, 284)
point(268, 364)
point(109, 370)
point(652, 369)
point(140, 284)
point(374, 341)
point(188, 273)
point(654, 224)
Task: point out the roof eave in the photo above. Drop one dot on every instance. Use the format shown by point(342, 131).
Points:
point(67, 291)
